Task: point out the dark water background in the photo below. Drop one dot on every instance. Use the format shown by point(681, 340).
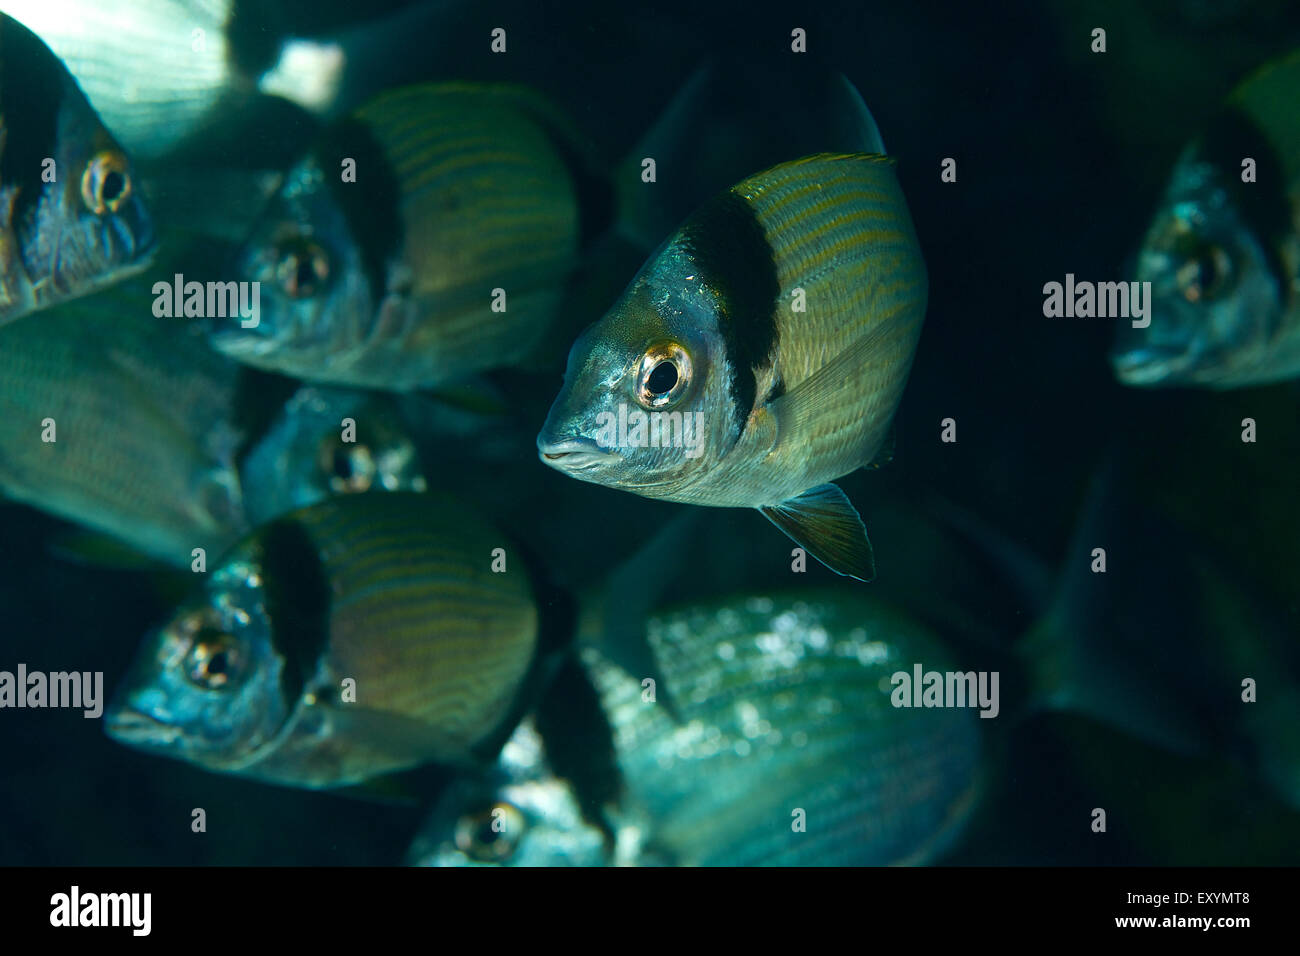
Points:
point(1061, 156)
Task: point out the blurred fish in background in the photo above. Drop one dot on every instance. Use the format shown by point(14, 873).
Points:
point(393, 593)
point(788, 750)
point(1223, 252)
point(627, 682)
point(445, 254)
point(158, 71)
point(138, 412)
point(329, 442)
point(71, 215)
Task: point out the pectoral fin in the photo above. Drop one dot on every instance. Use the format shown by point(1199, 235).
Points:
point(824, 523)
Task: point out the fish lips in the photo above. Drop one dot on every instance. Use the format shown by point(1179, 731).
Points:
point(574, 454)
point(128, 725)
point(1149, 364)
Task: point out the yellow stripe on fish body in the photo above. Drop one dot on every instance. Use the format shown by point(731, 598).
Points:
point(839, 230)
point(820, 309)
point(779, 324)
point(487, 202)
point(418, 619)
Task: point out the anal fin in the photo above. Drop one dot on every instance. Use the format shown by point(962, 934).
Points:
point(824, 522)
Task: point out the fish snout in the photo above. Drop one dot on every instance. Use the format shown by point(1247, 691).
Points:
point(570, 453)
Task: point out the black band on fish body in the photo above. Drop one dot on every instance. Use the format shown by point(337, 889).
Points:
point(1264, 204)
point(729, 246)
point(32, 94)
point(579, 742)
point(297, 601)
point(371, 206)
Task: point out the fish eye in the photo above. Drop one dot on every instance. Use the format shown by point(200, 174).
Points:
point(1206, 273)
point(214, 659)
point(349, 466)
point(492, 835)
point(664, 375)
point(106, 183)
point(301, 268)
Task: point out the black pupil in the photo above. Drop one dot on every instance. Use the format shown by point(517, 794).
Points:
point(1208, 270)
point(306, 275)
point(342, 463)
point(486, 835)
point(217, 665)
point(662, 379)
point(112, 186)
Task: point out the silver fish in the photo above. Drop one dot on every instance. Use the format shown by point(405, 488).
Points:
point(71, 217)
point(1223, 255)
point(758, 356)
point(788, 751)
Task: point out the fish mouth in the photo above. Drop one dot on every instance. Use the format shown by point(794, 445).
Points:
point(1150, 364)
point(573, 454)
point(133, 727)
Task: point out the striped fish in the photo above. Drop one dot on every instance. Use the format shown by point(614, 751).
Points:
point(122, 423)
point(389, 281)
point(363, 635)
point(758, 356)
point(788, 751)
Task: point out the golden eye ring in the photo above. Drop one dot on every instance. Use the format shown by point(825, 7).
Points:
point(664, 375)
point(106, 183)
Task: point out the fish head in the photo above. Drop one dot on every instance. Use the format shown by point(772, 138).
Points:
point(330, 442)
point(207, 687)
point(536, 823)
point(308, 273)
point(518, 813)
point(645, 404)
point(91, 227)
point(74, 219)
point(1214, 302)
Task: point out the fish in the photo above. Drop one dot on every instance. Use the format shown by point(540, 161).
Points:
point(447, 255)
point(787, 719)
point(518, 813)
point(141, 442)
point(766, 345)
point(72, 219)
point(1223, 254)
point(360, 637)
point(324, 442)
point(159, 72)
